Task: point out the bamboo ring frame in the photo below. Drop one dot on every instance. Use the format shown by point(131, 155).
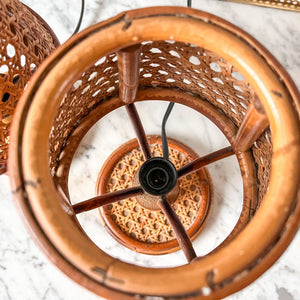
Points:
point(224, 271)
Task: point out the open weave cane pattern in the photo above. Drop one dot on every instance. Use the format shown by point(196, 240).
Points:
point(96, 85)
point(193, 69)
point(25, 43)
point(147, 225)
point(262, 154)
point(167, 64)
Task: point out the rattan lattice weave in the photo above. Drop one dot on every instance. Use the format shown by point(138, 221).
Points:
point(26, 40)
point(166, 64)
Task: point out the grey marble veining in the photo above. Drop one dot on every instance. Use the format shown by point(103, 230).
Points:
point(26, 274)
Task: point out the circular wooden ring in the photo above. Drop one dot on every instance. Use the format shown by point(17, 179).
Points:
point(223, 272)
point(112, 215)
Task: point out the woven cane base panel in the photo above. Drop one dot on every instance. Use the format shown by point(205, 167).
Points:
point(26, 40)
point(145, 230)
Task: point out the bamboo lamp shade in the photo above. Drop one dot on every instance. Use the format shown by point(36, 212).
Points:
point(26, 40)
point(174, 54)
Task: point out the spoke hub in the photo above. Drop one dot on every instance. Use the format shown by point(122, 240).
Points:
point(138, 222)
point(158, 176)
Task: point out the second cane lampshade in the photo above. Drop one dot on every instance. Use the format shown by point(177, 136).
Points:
point(26, 40)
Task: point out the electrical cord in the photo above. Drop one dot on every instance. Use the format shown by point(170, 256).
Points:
point(80, 18)
point(163, 131)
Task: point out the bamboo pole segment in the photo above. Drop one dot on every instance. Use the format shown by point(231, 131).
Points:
point(128, 65)
point(205, 160)
point(180, 233)
point(105, 199)
point(139, 130)
point(254, 124)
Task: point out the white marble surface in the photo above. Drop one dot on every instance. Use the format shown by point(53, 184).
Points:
point(25, 273)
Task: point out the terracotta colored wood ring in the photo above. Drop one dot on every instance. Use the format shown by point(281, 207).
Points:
point(222, 273)
point(200, 200)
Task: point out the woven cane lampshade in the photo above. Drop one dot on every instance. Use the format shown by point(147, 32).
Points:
point(172, 54)
point(26, 40)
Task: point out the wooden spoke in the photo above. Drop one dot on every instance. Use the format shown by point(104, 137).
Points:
point(106, 199)
point(139, 130)
point(129, 70)
point(180, 233)
point(253, 125)
point(205, 160)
